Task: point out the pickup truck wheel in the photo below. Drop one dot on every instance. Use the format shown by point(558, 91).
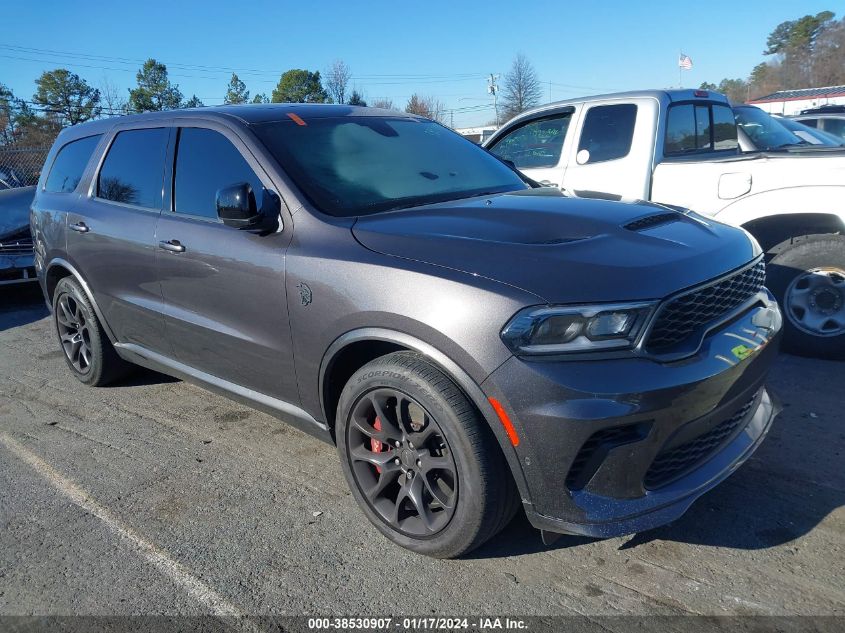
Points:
point(87, 350)
point(419, 459)
point(808, 278)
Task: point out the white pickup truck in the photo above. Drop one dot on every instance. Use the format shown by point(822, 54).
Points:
point(680, 148)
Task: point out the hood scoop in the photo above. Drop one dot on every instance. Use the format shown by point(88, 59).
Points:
point(650, 221)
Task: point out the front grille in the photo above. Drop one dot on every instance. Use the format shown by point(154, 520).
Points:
point(17, 244)
point(683, 316)
point(597, 446)
point(673, 462)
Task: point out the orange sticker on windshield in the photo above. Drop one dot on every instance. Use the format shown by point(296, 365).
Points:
point(296, 119)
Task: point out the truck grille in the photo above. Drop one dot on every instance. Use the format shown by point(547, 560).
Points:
point(673, 462)
point(682, 316)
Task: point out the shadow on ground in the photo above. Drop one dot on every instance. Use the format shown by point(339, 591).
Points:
point(21, 304)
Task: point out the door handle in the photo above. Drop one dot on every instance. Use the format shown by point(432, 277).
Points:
point(174, 246)
point(79, 227)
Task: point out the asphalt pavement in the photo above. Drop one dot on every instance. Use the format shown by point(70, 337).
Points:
point(156, 497)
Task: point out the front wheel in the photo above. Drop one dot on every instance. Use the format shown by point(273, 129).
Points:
point(808, 278)
point(420, 460)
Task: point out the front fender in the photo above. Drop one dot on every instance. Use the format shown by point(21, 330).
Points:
point(451, 368)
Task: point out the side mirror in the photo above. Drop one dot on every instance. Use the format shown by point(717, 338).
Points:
point(236, 207)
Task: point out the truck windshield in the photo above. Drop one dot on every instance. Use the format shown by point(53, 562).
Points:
point(764, 131)
point(357, 165)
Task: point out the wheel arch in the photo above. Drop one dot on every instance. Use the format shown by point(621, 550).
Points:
point(60, 268)
point(773, 232)
point(354, 349)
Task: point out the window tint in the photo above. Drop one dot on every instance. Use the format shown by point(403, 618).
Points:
point(680, 129)
point(132, 171)
point(724, 128)
point(689, 128)
point(205, 162)
point(536, 144)
point(608, 132)
point(835, 127)
point(702, 127)
point(810, 122)
point(70, 163)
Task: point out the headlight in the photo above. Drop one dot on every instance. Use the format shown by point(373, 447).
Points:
point(556, 330)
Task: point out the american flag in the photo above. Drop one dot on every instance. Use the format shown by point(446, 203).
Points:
point(685, 62)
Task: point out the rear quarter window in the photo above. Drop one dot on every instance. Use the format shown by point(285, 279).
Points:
point(70, 163)
point(608, 132)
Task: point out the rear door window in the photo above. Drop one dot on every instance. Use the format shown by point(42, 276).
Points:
point(133, 170)
point(607, 133)
point(536, 144)
point(206, 161)
point(70, 164)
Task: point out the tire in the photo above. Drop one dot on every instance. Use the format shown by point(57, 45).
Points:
point(462, 478)
point(87, 350)
point(808, 278)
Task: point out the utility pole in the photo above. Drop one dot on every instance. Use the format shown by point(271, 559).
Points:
point(493, 89)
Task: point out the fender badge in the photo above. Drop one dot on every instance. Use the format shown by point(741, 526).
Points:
point(305, 295)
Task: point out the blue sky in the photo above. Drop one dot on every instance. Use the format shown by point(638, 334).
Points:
point(442, 49)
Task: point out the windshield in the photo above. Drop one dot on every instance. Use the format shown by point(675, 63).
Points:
point(350, 166)
point(811, 135)
point(765, 132)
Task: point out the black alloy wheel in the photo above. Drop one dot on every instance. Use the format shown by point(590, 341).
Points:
point(74, 332)
point(421, 461)
point(402, 462)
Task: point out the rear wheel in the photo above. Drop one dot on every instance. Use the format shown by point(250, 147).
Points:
point(87, 350)
point(808, 278)
point(420, 460)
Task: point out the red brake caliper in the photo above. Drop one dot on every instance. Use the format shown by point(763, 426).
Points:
point(376, 445)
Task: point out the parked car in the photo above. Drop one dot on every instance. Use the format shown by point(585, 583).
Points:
point(809, 134)
point(830, 122)
point(759, 131)
point(466, 340)
point(681, 147)
point(16, 258)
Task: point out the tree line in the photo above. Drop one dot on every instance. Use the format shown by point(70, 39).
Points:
point(803, 53)
point(64, 98)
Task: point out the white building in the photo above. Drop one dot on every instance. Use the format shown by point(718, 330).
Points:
point(793, 101)
point(477, 134)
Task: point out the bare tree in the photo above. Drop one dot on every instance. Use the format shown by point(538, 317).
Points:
point(521, 87)
point(337, 80)
point(384, 103)
point(428, 107)
point(111, 98)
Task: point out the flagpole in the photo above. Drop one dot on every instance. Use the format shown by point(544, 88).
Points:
point(680, 86)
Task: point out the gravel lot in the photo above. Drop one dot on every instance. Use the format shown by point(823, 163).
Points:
point(156, 497)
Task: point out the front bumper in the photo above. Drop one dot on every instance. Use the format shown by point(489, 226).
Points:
point(616, 446)
point(15, 269)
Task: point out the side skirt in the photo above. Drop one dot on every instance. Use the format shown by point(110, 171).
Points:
point(280, 409)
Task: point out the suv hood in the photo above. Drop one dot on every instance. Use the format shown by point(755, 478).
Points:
point(563, 249)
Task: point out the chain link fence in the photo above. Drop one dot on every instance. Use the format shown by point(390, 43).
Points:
point(21, 166)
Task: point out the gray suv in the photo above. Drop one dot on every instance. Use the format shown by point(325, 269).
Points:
point(469, 341)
